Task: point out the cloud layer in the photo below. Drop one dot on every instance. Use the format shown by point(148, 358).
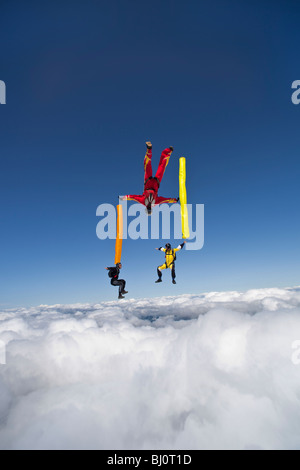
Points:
point(211, 371)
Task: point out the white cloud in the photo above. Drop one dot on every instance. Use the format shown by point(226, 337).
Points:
point(189, 372)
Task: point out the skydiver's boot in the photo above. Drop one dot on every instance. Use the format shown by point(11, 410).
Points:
point(174, 282)
point(159, 276)
point(124, 292)
point(121, 296)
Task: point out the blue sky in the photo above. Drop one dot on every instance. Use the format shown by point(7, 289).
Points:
point(88, 83)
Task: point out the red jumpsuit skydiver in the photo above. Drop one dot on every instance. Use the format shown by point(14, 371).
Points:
point(149, 198)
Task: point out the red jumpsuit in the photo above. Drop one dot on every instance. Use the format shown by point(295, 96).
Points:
point(151, 184)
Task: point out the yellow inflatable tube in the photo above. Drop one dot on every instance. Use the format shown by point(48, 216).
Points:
point(183, 198)
point(119, 238)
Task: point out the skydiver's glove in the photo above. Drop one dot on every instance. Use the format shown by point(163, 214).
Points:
point(178, 199)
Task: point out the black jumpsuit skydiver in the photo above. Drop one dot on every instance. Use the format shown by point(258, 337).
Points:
point(115, 281)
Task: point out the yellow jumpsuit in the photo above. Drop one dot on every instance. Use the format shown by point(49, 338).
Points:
point(169, 263)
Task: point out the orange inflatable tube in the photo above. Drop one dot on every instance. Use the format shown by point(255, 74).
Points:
point(119, 238)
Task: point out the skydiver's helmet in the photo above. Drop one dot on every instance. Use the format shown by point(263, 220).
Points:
point(168, 246)
point(119, 265)
point(148, 203)
point(149, 209)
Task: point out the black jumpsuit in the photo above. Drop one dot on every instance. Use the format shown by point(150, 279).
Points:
point(115, 281)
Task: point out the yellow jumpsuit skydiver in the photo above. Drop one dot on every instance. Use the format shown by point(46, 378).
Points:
point(170, 257)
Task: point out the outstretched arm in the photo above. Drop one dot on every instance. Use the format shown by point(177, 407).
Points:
point(133, 197)
point(180, 246)
point(163, 200)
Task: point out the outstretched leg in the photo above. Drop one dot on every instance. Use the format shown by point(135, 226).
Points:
point(122, 287)
point(159, 272)
point(163, 162)
point(121, 284)
point(173, 273)
point(147, 162)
